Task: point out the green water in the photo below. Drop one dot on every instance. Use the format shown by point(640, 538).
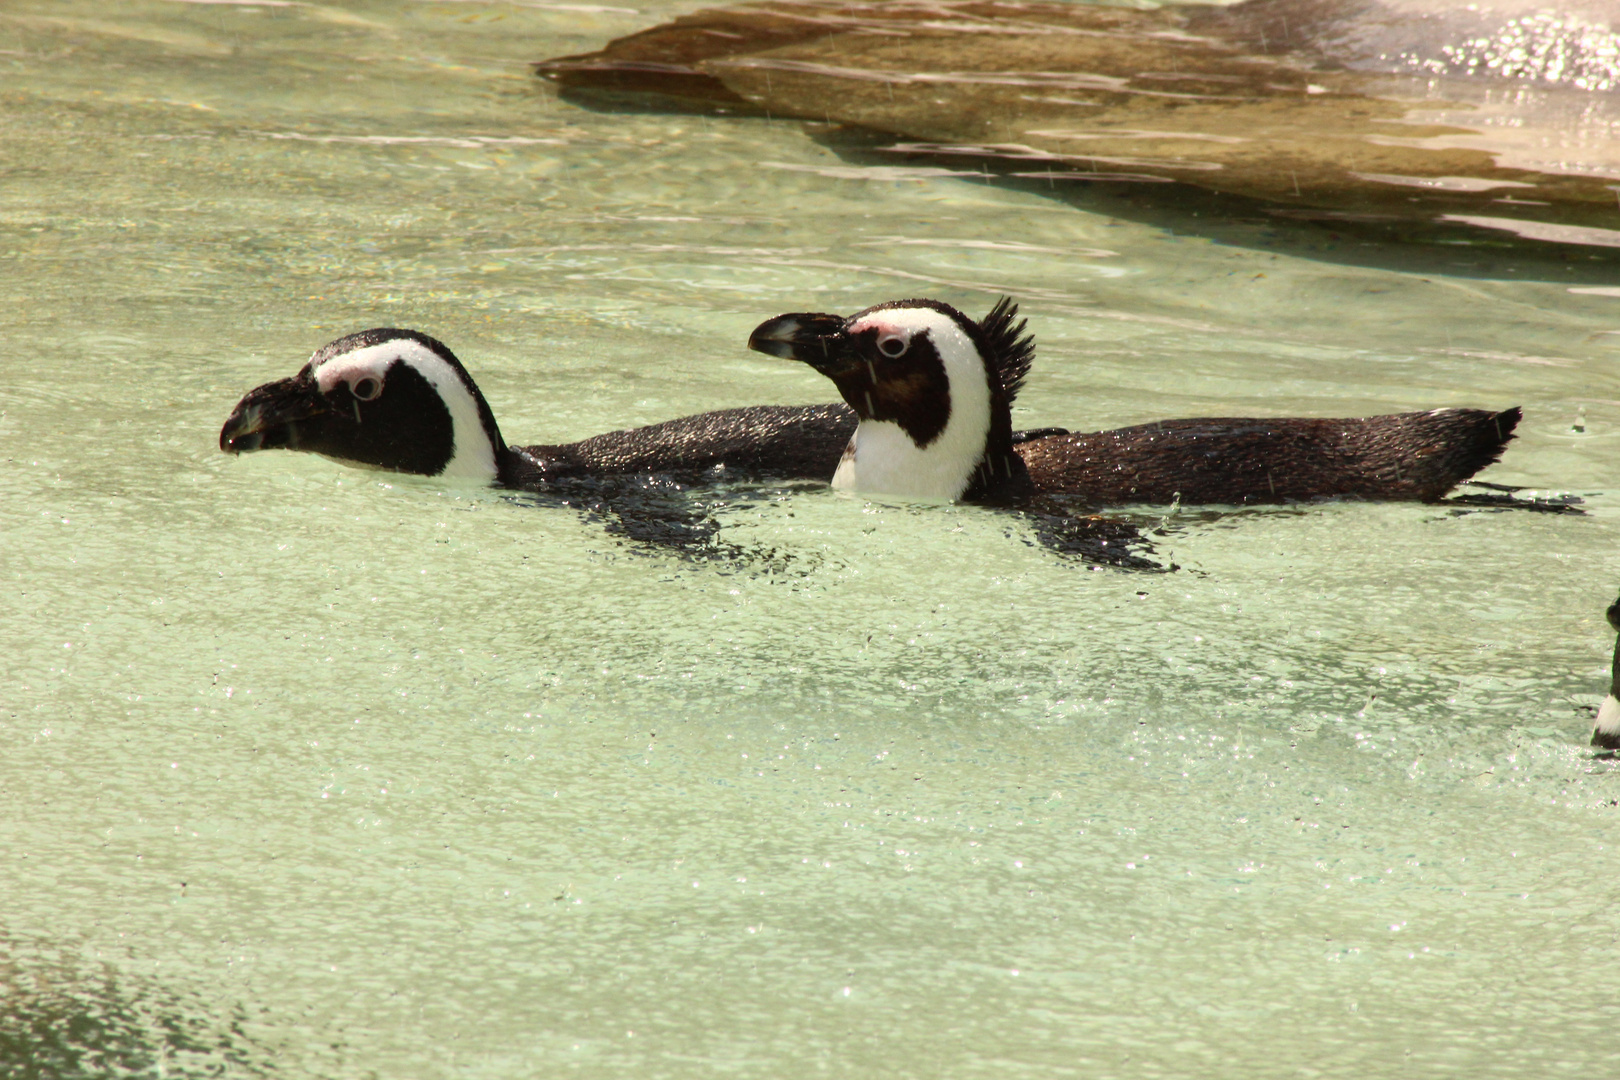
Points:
point(317, 772)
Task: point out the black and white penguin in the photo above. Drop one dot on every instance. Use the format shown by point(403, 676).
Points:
point(400, 400)
point(933, 388)
point(1606, 728)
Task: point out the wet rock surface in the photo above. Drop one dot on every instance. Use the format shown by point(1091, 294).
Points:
point(1405, 117)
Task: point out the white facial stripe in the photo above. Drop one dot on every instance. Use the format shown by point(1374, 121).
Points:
point(473, 456)
point(371, 362)
point(885, 459)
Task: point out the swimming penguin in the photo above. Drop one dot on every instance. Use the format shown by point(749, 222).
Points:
point(400, 400)
point(1606, 728)
point(933, 390)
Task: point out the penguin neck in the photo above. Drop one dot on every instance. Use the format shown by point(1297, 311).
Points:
point(477, 450)
point(972, 459)
point(1000, 475)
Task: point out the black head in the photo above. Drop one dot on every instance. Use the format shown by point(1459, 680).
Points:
point(390, 399)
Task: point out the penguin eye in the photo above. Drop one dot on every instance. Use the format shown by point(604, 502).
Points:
point(366, 389)
point(892, 346)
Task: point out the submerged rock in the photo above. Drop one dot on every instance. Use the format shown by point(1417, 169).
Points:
point(62, 1017)
point(1389, 113)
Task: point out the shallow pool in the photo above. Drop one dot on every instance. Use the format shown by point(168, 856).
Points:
point(321, 772)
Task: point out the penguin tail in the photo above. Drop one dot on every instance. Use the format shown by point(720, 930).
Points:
point(1447, 446)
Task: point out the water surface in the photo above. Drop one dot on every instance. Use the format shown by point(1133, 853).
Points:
point(334, 773)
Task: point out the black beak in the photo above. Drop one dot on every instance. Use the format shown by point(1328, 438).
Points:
point(817, 340)
point(268, 417)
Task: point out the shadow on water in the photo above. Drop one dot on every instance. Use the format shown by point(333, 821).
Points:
point(1350, 237)
point(683, 518)
point(61, 1017)
point(702, 525)
point(660, 514)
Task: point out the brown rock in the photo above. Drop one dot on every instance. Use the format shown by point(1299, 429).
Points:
point(1354, 110)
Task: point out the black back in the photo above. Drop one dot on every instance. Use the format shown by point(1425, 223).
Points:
point(783, 442)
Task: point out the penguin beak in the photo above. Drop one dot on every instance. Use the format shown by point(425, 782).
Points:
point(268, 417)
point(817, 340)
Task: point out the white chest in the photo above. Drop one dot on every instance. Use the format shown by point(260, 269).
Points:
point(883, 460)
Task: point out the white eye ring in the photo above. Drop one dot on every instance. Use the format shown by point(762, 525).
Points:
point(893, 346)
point(368, 388)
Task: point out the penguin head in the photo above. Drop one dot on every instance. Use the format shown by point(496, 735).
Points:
point(385, 398)
point(932, 389)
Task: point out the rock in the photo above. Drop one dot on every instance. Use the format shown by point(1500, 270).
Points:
point(1388, 113)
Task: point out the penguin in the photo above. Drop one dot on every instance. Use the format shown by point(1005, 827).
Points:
point(933, 389)
point(1606, 728)
point(400, 400)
